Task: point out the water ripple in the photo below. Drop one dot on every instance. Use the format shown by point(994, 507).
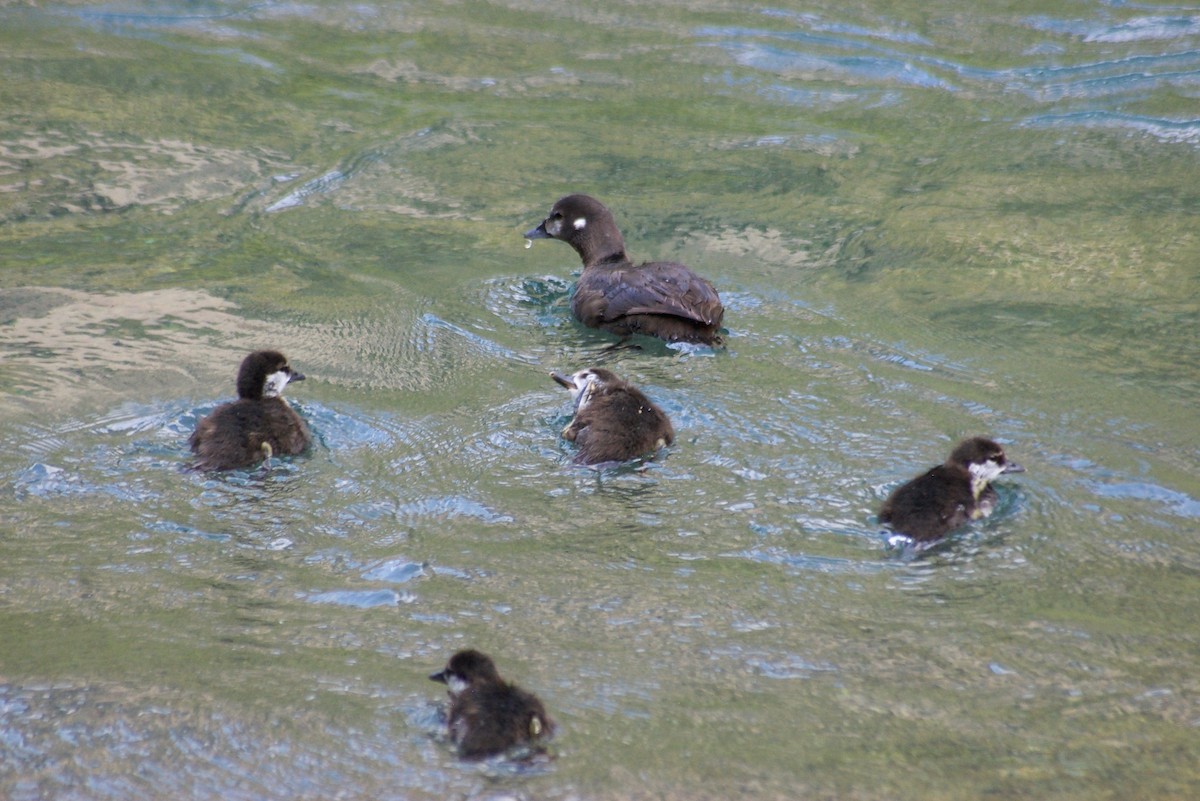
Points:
point(1137, 29)
point(113, 18)
point(362, 599)
point(1174, 131)
point(484, 345)
point(838, 51)
point(871, 68)
point(317, 186)
point(816, 23)
point(1172, 501)
point(540, 301)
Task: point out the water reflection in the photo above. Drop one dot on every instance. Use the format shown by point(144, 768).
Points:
point(59, 334)
point(847, 55)
point(877, 193)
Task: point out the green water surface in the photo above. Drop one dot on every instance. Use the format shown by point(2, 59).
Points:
point(927, 220)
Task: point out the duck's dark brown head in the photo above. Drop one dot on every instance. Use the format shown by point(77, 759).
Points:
point(583, 384)
point(984, 459)
point(466, 669)
point(264, 374)
point(585, 224)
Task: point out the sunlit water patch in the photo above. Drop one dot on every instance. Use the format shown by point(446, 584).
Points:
point(164, 174)
point(1171, 501)
point(72, 346)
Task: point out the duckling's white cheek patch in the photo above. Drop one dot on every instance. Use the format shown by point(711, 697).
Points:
point(275, 383)
point(986, 471)
point(456, 684)
point(580, 223)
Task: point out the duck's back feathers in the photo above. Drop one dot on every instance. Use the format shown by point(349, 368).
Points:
point(233, 435)
point(494, 718)
point(663, 299)
point(620, 423)
point(930, 506)
point(258, 425)
point(489, 716)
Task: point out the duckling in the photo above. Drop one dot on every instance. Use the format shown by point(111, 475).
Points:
point(661, 299)
point(932, 505)
point(256, 426)
point(489, 716)
point(614, 421)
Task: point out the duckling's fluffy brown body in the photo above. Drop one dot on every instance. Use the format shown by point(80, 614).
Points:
point(489, 716)
point(257, 425)
point(614, 421)
point(950, 495)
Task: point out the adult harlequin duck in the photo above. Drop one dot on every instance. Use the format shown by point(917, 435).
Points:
point(930, 506)
point(662, 299)
point(256, 426)
point(614, 421)
point(488, 716)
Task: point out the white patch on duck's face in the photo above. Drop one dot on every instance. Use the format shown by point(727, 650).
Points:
point(580, 223)
point(457, 684)
point(982, 473)
point(553, 225)
point(586, 383)
point(275, 383)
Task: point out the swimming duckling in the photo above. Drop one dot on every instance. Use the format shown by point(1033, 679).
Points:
point(489, 716)
point(661, 299)
point(614, 421)
point(930, 506)
point(256, 426)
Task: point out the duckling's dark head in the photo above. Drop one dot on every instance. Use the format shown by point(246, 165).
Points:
point(466, 669)
point(264, 374)
point(585, 224)
point(983, 458)
point(583, 384)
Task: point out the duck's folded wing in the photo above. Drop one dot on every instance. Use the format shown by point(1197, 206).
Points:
point(662, 288)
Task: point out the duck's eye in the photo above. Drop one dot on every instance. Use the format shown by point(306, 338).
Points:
point(558, 215)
